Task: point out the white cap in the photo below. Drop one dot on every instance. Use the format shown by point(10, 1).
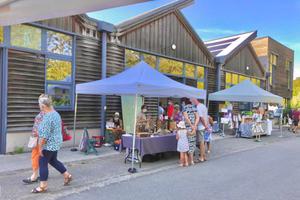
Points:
point(181, 124)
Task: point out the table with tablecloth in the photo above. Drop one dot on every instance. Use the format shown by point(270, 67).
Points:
point(151, 145)
point(246, 128)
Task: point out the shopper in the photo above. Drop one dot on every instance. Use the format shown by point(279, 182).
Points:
point(182, 144)
point(202, 126)
point(191, 120)
point(35, 151)
point(296, 115)
point(49, 144)
point(208, 135)
point(177, 115)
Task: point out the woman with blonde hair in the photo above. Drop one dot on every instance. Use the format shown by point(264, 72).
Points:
point(50, 141)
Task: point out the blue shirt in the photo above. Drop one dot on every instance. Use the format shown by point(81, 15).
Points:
point(50, 130)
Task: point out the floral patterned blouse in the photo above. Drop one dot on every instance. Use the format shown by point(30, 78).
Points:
point(50, 129)
point(37, 120)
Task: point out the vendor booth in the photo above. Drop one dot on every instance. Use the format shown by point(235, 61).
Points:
point(246, 91)
point(141, 80)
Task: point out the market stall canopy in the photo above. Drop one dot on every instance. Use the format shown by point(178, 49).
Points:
point(245, 91)
point(142, 80)
point(22, 11)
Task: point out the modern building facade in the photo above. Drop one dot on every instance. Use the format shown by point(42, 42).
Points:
point(53, 56)
point(278, 61)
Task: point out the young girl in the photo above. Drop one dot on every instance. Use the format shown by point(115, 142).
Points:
point(207, 134)
point(182, 143)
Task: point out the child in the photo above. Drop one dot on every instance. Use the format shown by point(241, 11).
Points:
point(182, 143)
point(236, 118)
point(207, 134)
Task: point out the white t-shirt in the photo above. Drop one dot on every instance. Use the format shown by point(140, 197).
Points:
point(202, 112)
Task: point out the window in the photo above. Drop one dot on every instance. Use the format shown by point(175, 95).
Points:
point(26, 36)
point(242, 78)
point(149, 59)
point(235, 79)
point(253, 80)
point(170, 66)
point(58, 70)
point(258, 82)
point(228, 80)
point(61, 95)
point(200, 85)
point(59, 43)
point(271, 69)
point(200, 72)
point(190, 70)
point(131, 58)
point(1, 34)
point(59, 82)
point(274, 59)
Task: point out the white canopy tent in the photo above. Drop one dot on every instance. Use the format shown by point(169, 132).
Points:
point(139, 80)
point(22, 11)
point(245, 91)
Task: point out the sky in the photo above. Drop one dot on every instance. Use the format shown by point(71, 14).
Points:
point(219, 18)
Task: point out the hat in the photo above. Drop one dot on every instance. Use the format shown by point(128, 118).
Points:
point(181, 124)
point(116, 113)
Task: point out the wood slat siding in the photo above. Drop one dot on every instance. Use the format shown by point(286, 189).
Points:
point(158, 36)
point(212, 87)
point(263, 48)
point(25, 84)
point(115, 65)
point(152, 106)
point(88, 68)
point(241, 60)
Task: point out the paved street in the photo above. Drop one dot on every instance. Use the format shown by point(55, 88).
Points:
point(238, 168)
point(269, 172)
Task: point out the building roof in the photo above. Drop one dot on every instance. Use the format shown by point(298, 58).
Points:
point(224, 48)
point(164, 9)
point(175, 6)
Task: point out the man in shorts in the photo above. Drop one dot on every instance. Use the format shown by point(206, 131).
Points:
point(201, 127)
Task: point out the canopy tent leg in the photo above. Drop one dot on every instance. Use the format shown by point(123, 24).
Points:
point(132, 169)
point(74, 125)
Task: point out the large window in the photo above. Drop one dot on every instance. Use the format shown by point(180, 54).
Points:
point(233, 79)
point(169, 66)
point(59, 69)
point(190, 70)
point(26, 36)
point(272, 62)
point(131, 58)
point(59, 43)
point(149, 59)
point(1, 34)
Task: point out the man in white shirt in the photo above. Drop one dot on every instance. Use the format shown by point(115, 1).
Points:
point(202, 126)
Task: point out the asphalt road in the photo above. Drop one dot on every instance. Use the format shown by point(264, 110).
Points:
point(269, 172)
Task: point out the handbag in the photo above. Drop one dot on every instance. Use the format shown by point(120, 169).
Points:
point(32, 142)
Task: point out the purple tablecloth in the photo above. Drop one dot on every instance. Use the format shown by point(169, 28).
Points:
point(151, 145)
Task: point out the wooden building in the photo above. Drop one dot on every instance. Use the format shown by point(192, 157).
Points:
point(52, 56)
point(236, 61)
point(278, 61)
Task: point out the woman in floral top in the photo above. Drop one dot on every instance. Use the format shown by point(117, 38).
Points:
point(50, 142)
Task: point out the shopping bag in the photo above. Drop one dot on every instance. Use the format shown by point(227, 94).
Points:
point(32, 142)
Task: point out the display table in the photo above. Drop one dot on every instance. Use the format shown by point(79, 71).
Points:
point(246, 129)
point(150, 145)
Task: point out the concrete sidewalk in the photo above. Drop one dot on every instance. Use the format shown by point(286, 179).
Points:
point(23, 161)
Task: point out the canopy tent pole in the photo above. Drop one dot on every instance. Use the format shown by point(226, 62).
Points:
point(132, 169)
point(74, 124)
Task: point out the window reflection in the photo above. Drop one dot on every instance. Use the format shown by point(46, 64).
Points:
point(1, 34)
point(190, 70)
point(59, 43)
point(58, 70)
point(60, 94)
point(26, 36)
point(170, 66)
point(150, 60)
point(131, 57)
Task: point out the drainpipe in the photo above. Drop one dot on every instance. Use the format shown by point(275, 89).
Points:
point(218, 81)
point(105, 28)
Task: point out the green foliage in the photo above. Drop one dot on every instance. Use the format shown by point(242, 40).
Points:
point(170, 66)
point(295, 102)
point(131, 57)
point(19, 150)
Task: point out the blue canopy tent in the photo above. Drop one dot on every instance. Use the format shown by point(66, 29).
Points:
point(139, 80)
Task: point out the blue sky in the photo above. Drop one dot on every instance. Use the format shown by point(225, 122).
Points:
point(218, 18)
